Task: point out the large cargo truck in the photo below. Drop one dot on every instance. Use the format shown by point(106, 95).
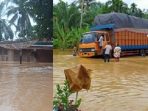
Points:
point(131, 40)
point(131, 33)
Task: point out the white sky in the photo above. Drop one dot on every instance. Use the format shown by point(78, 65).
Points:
point(142, 4)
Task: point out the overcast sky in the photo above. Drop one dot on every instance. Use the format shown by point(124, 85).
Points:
point(142, 4)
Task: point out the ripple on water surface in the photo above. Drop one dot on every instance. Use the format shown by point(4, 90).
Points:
point(25, 87)
point(119, 86)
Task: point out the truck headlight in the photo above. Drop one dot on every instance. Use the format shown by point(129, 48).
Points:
point(80, 50)
point(93, 50)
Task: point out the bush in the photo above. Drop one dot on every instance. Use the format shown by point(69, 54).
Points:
point(69, 38)
point(61, 100)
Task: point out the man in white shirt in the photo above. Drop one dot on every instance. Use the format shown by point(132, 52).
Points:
point(101, 41)
point(107, 52)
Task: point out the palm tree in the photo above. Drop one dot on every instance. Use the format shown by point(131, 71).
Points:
point(42, 12)
point(92, 10)
point(84, 4)
point(66, 15)
point(5, 29)
point(117, 6)
point(66, 20)
point(20, 13)
point(133, 9)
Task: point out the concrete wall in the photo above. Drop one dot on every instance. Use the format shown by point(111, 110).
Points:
point(10, 55)
point(44, 55)
point(3, 54)
point(28, 55)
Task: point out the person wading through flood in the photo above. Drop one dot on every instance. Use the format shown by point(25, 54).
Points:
point(117, 52)
point(75, 50)
point(107, 52)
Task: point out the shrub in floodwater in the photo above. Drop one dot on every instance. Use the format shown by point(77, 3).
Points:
point(61, 100)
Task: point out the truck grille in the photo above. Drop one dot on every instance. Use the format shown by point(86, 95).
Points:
point(86, 49)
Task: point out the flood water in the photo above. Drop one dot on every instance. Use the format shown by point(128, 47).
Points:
point(26, 87)
point(115, 86)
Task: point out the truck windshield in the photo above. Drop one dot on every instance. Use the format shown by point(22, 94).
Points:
point(87, 38)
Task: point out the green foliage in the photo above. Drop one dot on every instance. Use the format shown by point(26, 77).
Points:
point(21, 15)
point(69, 38)
point(116, 6)
point(134, 11)
point(62, 97)
point(78, 102)
point(145, 15)
point(67, 18)
point(93, 10)
point(42, 11)
point(65, 15)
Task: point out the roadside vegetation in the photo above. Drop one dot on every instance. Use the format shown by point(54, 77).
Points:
point(71, 20)
point(62, 101)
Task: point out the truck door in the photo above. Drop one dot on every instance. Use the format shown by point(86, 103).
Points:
point(106, 39)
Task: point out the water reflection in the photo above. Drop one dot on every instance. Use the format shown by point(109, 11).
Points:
point(119, 86)
point(26, 87)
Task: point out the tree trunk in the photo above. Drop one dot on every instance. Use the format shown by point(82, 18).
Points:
point(82, 10)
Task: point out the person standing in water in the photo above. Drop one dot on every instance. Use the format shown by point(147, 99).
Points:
point(75, 50)
point(107, 52)
point(117, 52)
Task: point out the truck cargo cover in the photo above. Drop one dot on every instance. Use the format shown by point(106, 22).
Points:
point(101, 27)
point(121, 20)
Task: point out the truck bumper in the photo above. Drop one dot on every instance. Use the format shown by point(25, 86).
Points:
point(87, 54)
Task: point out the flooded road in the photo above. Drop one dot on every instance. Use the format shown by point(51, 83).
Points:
point(115, 86)
point(26, 87)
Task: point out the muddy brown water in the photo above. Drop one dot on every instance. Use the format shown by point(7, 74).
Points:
point(26, 87)
point(115, 86)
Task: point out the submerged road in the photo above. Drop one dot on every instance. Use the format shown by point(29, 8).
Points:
point(115, 86)
point(26, 87)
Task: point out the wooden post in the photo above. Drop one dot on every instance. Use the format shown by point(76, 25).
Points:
point(76, 97)
point(20, 56)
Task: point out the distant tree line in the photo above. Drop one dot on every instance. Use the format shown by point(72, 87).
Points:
point(71, 20)
point(18, 16)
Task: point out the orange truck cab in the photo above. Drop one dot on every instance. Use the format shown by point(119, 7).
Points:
point(89, 43)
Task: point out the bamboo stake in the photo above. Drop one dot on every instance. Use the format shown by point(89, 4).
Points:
point(76, 97)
